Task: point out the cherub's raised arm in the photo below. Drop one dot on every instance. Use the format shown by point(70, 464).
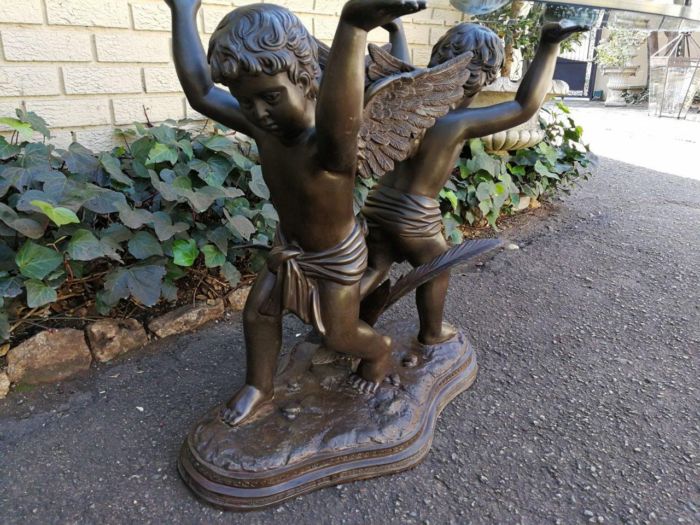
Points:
point(193, 70)
point(397, 39)
point(340, 101)
point(533, 89)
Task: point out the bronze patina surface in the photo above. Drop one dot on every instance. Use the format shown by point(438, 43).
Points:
point(320, 117)
point(317, 431)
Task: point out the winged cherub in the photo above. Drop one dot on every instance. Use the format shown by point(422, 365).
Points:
point(307, 136)
point(402, 211)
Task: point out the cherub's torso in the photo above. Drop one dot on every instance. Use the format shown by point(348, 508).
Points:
point(315, 206)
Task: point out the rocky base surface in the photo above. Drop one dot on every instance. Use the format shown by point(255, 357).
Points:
point(319, 431)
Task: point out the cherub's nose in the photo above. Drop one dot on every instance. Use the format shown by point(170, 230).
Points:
point(260, 108)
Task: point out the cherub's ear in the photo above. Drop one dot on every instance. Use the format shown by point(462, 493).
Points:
point(306, 85)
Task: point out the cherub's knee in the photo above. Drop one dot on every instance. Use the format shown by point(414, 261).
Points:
point(339, 342)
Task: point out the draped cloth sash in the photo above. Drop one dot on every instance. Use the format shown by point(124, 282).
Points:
point(402, 213)
point(297, 271)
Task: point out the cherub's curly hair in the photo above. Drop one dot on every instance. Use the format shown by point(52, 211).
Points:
point(488, 52)
point(267, 39)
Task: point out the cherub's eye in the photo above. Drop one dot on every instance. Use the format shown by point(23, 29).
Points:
point(245, 103)
point(272, 97)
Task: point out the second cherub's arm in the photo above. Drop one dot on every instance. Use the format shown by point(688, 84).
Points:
point(397, 39)
point(193, 70)
point(479, 122)
point(341, 96)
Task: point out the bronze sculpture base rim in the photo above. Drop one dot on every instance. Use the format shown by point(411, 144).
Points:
point(347, 467)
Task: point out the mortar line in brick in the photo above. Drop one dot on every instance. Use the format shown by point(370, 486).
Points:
point(143, 79)
point(132, 23)
point(61, 80)
point(45, 12)
point(112, 117)
point(93, 47)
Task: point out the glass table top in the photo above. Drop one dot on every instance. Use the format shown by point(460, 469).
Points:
point(688, 10)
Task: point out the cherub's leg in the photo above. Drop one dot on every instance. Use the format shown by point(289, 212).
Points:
point(340, 306)
point(263, 339)
point(379, 261)
point(430, 297)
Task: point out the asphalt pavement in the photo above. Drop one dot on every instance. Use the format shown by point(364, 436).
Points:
point(586, 407)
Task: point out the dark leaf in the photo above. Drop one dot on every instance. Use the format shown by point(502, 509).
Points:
point(231, 273)
point(144, 245)
point(84, 246)
point(38, 294)
point(35, 261)
point(141, 282)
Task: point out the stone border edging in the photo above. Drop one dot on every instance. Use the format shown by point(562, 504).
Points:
point(56, 355)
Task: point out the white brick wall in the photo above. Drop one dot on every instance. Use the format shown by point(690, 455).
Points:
point(88, 66)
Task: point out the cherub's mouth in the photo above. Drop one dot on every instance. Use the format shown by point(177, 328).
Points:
point(269, 126)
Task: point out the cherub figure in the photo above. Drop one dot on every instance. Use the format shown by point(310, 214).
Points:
point(307, 135)
point(402, 211)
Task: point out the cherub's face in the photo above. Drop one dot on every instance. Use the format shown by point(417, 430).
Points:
point(274, 103)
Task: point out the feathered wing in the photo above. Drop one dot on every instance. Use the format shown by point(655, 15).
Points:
point(399, 108)
point(386, 295)
point(380, 63)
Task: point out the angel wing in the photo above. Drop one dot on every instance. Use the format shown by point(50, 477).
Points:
point(380, 63)
point(399, 108)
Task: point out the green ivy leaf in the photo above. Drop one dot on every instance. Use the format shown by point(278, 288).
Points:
point(58, 215)
point(35, 261)
point(483, 191)
point(164, 227)
point(24, 225)
point(7, 150)
point(84, 246)
point(114, 168)
point(544, 171)
point(169, 291)
point(4, 326)
point(38, 294)
point(186, 147)
point(185, 252)
point(24, 129)
point(231, 273)
point(142, 282)
point(217, 143)
point(161, 153)
point(35, 121)
point(240, 226)
point(10, 287)
point(257, 183)
point(213, 257)
point(144, 245)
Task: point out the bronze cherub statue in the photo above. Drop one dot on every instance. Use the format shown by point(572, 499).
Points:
point(320, 116)
point(402, 211)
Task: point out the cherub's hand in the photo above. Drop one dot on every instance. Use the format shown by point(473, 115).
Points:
point(393, 26)
point(557, 32)
point(184, 5)
point(368, 14)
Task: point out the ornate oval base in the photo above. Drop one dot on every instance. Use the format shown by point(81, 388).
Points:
point(317, 431)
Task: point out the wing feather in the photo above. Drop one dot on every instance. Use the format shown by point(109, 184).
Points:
point(400, 107)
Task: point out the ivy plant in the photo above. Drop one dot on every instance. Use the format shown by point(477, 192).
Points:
point(138, 216)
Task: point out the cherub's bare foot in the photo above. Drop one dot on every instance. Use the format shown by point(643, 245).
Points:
point(447, 332)
point(362, 385)
point(370, 374)
point(243, 404)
